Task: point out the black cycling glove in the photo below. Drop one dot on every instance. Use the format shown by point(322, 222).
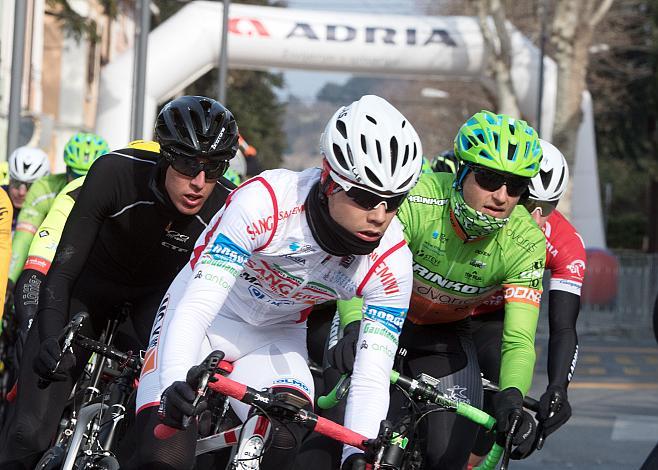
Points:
point(554, 409)
point(46, 360)
point(342, 355)
point(177, 401)
point(508, 404)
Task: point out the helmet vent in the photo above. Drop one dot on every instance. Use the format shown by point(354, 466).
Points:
point(349, 155)
point(379, 151)
point(512, 129)
point(364, 147)
point(339, 156)
point(394, 153)
point(511, 152)
point(415, 151)
point(340, 125)
point(371, 119)
point(546, 177)
point(559, 185)
point(406, 182)
point(404, 123)
point(372, 177)
point(406, 155)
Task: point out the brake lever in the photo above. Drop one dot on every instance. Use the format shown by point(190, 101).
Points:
point(553, 408)
point(516, 422)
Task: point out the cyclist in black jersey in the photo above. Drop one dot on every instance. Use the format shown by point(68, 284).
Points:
point(131, 230)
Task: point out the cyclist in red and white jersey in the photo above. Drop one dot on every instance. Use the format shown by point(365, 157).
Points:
point(284, 242)
point(565, 258)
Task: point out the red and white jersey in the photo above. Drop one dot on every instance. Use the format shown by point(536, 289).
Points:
point(565, 259)
point(258, 262)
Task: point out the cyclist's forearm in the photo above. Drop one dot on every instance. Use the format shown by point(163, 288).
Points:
point(518, 346)
point(20, 247)
point(349, 310)
point(563, 342)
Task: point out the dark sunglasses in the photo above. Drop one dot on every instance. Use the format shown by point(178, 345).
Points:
point(492, 181)
point(546, 207)
point(369, 200)
point(15, 184)
point(190, 166)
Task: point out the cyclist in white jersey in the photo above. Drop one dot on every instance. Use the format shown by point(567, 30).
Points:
point(286, 241)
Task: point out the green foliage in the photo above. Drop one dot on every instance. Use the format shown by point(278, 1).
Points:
point(353, 89)
point(78, 26)
point(251, 99)
point(623, 83)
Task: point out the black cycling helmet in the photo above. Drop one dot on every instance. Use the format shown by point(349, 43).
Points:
point(197, 126)
point(446, 162)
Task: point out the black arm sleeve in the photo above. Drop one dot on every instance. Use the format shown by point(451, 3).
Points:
point(96, 201)
point(563, 309)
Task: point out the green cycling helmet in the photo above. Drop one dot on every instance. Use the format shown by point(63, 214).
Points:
point(232, 176)
point(82, 149)
point(499, 142)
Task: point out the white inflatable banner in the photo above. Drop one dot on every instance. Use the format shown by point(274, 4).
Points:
point(187, 46)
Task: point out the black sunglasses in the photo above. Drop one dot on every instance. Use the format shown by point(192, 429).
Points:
point(369, 200)
point(492, 181)
point(546, 207)
point(190, 166)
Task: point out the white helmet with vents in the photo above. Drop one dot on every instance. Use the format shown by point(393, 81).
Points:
point(370, 144)
point(551, 181)
point(28, 164)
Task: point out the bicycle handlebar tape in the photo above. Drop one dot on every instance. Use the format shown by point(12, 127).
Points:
point(340, 433)
point(228, 387)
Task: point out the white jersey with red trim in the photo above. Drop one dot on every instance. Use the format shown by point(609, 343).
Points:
point(565, 259)
point(258, 262)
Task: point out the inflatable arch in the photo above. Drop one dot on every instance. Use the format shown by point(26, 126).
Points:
point(186, 46)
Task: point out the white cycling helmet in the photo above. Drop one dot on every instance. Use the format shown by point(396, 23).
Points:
point(370, 144)
point(28, 164)
point(551, 181)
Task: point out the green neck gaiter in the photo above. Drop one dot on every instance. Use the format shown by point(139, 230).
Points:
point(474, 223)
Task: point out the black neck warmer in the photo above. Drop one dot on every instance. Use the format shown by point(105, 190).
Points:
point(331, 236)
point(157, 187)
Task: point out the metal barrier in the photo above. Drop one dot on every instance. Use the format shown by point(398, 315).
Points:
point(631, 311)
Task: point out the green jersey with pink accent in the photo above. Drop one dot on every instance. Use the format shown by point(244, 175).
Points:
point(451, 277)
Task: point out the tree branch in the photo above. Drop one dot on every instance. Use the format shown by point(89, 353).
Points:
point(600, 12)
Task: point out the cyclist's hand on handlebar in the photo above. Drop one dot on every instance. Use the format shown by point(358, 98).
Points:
point(508, 406)
point(45, 363)
point(355, 462)
point(342, 355)
point(177, 404)
point(554, 409)
point(524, 439)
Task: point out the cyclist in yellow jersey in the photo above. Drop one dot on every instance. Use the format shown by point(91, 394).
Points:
point(6, 214)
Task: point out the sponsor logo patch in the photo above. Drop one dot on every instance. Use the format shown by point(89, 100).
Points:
point(390, 317)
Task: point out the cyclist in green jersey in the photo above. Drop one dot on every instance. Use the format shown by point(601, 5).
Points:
point(468, 237)
point(446, 162)
point(79, 153)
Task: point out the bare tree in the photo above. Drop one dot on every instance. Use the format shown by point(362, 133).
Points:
point(571, 35)
point(492, 19)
